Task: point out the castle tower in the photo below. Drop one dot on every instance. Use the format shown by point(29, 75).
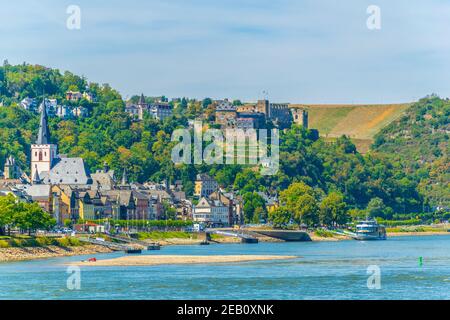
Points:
point(43, 153)
point(301, 117)
point(263, 106)
point(305, 119)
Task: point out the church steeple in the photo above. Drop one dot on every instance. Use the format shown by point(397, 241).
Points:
point(141, 100)
point(43, 152)
point(124, 177)
point(44, 132)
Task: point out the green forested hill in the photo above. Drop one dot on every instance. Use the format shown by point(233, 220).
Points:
point(377, 180)
point(419, 140)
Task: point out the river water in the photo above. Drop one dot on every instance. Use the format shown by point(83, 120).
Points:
point(323, 270)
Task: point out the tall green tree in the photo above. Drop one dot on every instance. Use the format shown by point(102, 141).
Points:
point(333, 210)
point(301, 200)
point(8, 209)
point(280, 217)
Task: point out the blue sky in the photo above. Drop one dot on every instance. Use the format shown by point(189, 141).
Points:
point(315, 51)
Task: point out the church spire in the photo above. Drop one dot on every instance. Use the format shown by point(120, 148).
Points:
point(124, 177)
point(36, 178)
point(141, 100)
point(44, 133)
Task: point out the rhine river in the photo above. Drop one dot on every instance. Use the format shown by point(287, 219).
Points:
point(323, 270)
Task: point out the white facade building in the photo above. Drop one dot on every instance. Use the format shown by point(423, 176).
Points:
point(211, 212)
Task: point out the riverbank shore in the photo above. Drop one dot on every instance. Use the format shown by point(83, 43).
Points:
point(424, 233)
point(34, 253)
point(173, 260)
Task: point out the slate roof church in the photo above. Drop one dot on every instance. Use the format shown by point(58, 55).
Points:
point(47, 167)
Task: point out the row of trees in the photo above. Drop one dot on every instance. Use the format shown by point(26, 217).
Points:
point(304, 205)
point(27, 217)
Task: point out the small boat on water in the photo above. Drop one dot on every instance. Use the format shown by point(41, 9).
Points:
point(370, 230)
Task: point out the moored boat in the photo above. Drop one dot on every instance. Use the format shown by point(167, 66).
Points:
point(370, 230)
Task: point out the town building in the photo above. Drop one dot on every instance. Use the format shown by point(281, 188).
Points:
point(137, 111)
point(89, 96)
point(11, 169)
point(160, 110)
point(80, 112)
point(73, 96)
point(205, 185)
point(29, 104)
point(63, 112)
point(231, 202)
point(50, 106)
point(212, 213)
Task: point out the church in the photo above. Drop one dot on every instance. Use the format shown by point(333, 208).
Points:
point(47, 167)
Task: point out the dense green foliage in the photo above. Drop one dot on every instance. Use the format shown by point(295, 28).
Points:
point(24, 216)
point(418, 142)
point(161, 224)
point(40, 241)
point(409, 162)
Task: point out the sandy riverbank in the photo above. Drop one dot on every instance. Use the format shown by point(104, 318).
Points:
point(334, 238)
point(151, 260)
point(22, 254)
point(425, 233)
point(227, 240)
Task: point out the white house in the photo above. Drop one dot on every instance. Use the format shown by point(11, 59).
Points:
point(211, 212)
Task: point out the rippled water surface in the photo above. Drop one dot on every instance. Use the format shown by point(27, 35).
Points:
point(323, 270)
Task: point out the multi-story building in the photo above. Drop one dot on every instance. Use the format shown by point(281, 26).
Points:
point(205, 185)
point(80, 112)
point(73, 96)
point(63, 112)
point(160, 110)
point(211, 212)
point(231, 201)
point(28, 104)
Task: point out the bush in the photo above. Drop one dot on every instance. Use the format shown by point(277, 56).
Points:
point(324, 233)
point(63, 242)
point(4, 244)
point(17, 243)
point(75, 242)
point(46, 241)
point(396, 223)
point(158, 235)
